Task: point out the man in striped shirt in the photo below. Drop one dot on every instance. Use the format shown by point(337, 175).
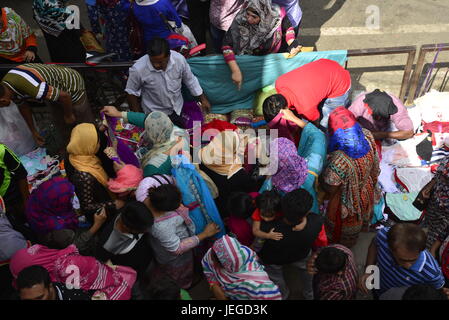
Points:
point(403, 261)
point(53, 83)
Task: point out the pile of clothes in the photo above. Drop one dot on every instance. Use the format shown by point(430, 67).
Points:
point(407, 166)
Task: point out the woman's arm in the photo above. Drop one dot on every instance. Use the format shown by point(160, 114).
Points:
point(218, 292)
point(229, 56)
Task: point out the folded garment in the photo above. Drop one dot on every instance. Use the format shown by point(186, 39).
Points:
point(403, 153)
point(401, 204)
point(386, 178)
point(413, 179)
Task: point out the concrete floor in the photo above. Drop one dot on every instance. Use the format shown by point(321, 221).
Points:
point(341, 24)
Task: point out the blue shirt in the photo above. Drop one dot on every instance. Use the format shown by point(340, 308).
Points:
point(150, 20)
point(424, 271)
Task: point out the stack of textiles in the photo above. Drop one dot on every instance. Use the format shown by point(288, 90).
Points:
point(41, 167)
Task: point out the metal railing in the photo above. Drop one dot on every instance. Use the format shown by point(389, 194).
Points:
point(409, 50)
point(421, 62)
point(409, 84)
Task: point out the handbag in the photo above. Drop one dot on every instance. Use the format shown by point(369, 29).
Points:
point(421, 202)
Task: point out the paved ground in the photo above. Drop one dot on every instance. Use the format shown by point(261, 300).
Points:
point(340, 24)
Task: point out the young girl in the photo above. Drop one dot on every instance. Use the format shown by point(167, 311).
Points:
point(240, 206)
point(173, 235)
point(268, 209)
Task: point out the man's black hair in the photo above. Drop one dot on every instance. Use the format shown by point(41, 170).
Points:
point(424, 292)
point(331, 260)
point(31, 276)
point(407, 235)
point(272, 105)
point(136, 216)
point(268, 202)
point(240, 204)
point(158, 46)
point(166, 197)
point(296, 205)
point(2, 89)
point(163, 288)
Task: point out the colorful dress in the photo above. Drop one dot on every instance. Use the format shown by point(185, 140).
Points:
point(437, 212)
point(240, 274)
point(353, 165)
point(109, 18)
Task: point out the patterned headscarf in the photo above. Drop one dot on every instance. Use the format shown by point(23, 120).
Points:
point(240, 274)
point(346, 134)
point(49, 207)
point(158, 133)
point(249, 37)
point(115, 283)
point(14, 33)
point(292, 168)
point(51, 15)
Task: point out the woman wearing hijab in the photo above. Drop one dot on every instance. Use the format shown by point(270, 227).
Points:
point(86, 171)
point(298, 167)
point(161, 139)
point(50, 206)
point(109, 282)
point(234, 272)
point(222, 161)
point(258, 29)
point(18, 43)
point(349, 178)
point(51, 16)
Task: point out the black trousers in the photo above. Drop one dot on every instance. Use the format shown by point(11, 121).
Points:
point(199, 19)
point(67, 48)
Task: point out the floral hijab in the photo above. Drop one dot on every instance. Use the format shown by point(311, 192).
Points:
point(246, 37)
point(292, 168)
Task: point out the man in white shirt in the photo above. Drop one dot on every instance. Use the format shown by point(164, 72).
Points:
point(157, 79)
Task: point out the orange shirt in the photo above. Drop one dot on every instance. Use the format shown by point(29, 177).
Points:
point(305, 87)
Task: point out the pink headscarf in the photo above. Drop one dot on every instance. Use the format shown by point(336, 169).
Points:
point(116, 283)
point(128, 179)
point(152, 182)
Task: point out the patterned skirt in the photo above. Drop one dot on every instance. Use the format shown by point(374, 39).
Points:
point(436, 221)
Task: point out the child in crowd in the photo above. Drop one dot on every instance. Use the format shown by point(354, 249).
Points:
point(335, 273)
point(165, 288)
point(240, 206)
point(268, 209)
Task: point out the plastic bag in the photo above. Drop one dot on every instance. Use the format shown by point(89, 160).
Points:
point(14, 131)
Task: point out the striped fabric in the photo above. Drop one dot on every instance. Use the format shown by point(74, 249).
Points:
point(425, 270)
point(43, 81)
point(240, 275)
point(338, 286)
